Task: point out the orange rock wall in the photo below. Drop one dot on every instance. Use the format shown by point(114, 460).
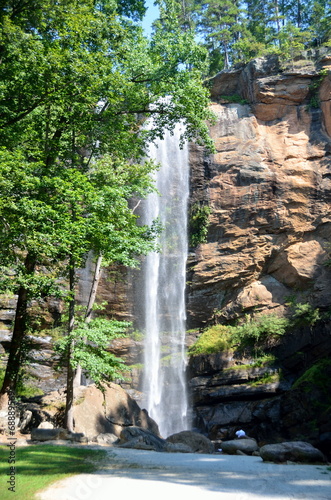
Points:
point(269, 189)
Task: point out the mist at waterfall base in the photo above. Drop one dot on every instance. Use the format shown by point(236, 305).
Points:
point(163, 289)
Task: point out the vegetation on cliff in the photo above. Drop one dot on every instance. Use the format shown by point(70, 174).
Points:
point(254, 333)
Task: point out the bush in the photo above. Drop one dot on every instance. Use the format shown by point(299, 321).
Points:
point(258, 332)
point(198, 224)
point(304, 314)
point(260, 329)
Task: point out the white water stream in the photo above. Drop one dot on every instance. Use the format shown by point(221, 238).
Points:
point(164, 290)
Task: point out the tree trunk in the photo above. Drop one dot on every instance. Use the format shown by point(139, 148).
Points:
point(89, 309)
point(16, 346)
point(69, 416)
point(94, 289)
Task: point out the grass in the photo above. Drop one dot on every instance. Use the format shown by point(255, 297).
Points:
point(215, 339)
point(39, 466)
point(260, 362)
point(268, 378)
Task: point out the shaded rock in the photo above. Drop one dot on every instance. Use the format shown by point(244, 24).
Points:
point(135, 437)
point(197, 442)
point(178, 448)
point(58, 434)
point(324, 444)
point(49, 434)
point(212, 395)
point(107, 438)
point(211, 363)
point(295, 451)
point(245, 445)
point(108, 412)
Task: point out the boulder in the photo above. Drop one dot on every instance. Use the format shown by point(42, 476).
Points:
point(107, 438)
point(110, 411)
point(59, 434)
point(178, 448)
point(49, 434)
point(138, 438)
point(294, 451)
point(243, 445)
point(197, 442)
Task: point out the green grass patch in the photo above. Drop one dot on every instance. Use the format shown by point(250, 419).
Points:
point(260, 362)
point(215, 339)
point(268, 378)
point(39, 466)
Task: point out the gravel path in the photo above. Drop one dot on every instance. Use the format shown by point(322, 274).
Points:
point(148, 475)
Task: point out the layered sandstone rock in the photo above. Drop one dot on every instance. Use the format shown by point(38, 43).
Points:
point(268, 186)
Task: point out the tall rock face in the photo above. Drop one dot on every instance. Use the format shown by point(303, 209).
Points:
point(269, 190)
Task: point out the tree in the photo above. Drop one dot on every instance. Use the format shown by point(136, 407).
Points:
point(78, 79)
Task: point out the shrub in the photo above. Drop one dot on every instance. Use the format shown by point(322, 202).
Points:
point(256, 332)
point(260, 329)
point(305, 314)
point(198, 224)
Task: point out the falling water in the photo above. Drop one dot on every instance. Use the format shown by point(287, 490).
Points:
point(164, 284)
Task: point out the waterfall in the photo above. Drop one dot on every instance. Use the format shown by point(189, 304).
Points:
point(164, 289)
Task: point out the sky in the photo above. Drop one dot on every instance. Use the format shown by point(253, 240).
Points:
point(151, 15)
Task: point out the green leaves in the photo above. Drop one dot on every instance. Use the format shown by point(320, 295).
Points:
point(89, 344)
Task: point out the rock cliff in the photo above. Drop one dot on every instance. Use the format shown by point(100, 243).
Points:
point(268, 186)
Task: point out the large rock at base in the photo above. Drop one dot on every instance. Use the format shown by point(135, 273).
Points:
point(107, 438)
point(246, 446)
point(197, 442)
point(97, 412)
point(141, 439)
point(296, 451)
point(58, 434)
point(49, 434)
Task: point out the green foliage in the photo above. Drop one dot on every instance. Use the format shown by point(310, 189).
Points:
point(24, 386)
point(38, 466)
point(198, 223)
point(254, 333)
point(89, 344)
point(268, 378)
point(235, 98)
point(259, 362)
point(215, 339)
point(137, 335)
point(305, 314)
point(317, 376)
point(259, 329)
point(264, 360)
point(314, 101)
